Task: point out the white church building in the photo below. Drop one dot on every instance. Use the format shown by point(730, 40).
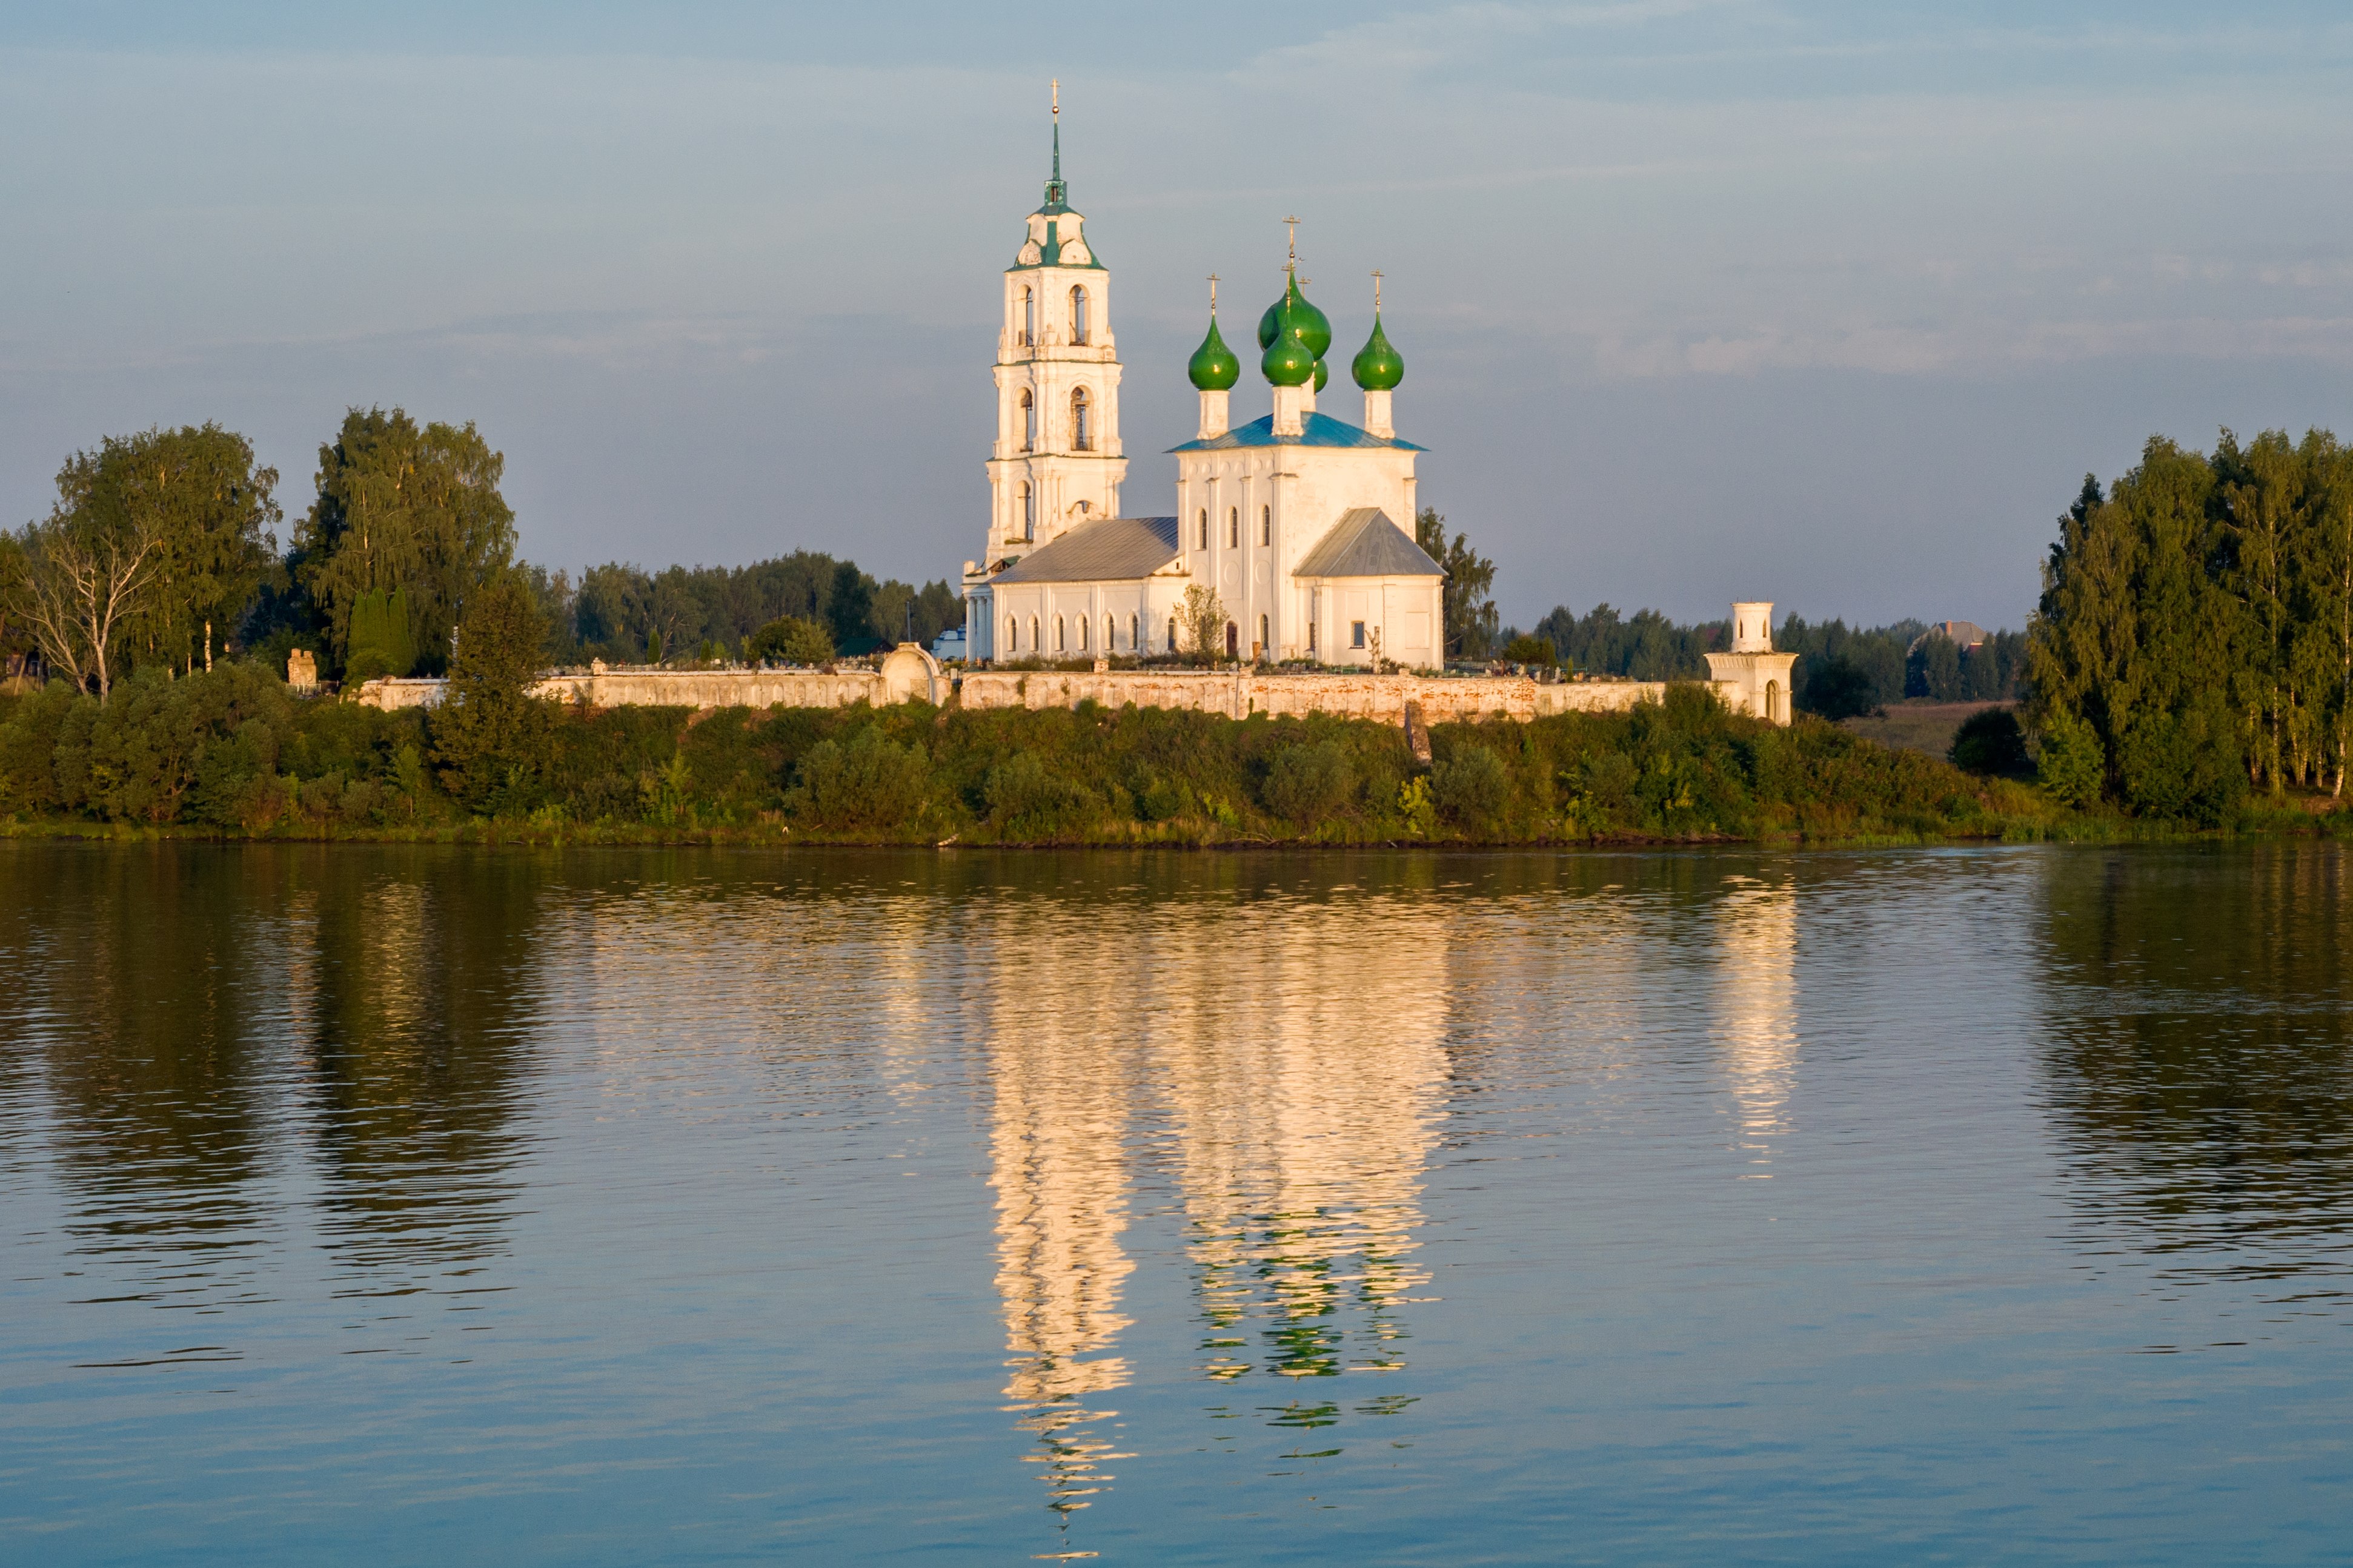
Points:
point(1299, 521)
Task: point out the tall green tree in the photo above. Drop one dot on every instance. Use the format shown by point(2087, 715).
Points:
point(1472, 621)
point(156, 544)
point(405, 507)
point(493, 738)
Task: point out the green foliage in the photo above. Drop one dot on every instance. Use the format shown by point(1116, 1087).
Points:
point(1991, 742)
point(1201, 620)
point(492, 738)
point(849, 609)
point(2073, 765)
point(1307, 784)
point(2199, 618)
point(1471, 788)
point(1468, 606)
point(381, 639)
point(153, 550)
point(403, 506)
point(1030, 802)
point(792, 639)
point(1524, 650)
point(869, 785)
point(29, 742)
point(1838, 689)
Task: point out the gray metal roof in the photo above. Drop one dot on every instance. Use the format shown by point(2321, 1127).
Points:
point(1366, 543)
point(1110, 550)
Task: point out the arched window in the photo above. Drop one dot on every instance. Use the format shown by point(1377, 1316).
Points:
point(1266, 525)
point(1029, 512)
point(1035, 645)
point(1233, 527)
point(1136, 634)
point(1029, 422)
point(1205, 528)
point(1061, 642)
point(1265, 639)
point(1078, 314)
point(1773, 701)
point(1081, 437)
point(1083, 624)
point(1233, 640)
point(1013, 634)
point(1028, 318)
point(1172, 636)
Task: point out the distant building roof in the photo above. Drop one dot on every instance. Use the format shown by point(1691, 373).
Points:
point(1366, 543)
point(1317, 430)
point(1110, 550)
point(1963, 633)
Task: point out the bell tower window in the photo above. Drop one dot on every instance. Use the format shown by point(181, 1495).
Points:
point(1083, 436)
point(1028, 422)
point(1028, 514)
point(1079, 314)
point(1266, 525)
point(1028, 331)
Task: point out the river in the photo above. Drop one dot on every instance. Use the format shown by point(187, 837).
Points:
point(442, 1206)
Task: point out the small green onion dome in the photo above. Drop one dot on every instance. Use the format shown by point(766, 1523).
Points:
point(1322, 375)
point(1378, 367)
point(1287, 362)
point(1214, 367)
point(1271, 323)
point(1305, 319)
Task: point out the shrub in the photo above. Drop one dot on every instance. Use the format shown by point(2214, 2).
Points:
point(871, 783)
point(1469, 787)
point(792, 639)
point(1028, 802)
point(1531, 650)
point(2072, 766)
point(492, 739)
point(1991, 742)
point(1306, 783)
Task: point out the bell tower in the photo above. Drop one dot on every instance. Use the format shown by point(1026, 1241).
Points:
point(1058, 461)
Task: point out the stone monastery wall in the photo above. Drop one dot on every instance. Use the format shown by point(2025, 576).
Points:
point(1237, 694)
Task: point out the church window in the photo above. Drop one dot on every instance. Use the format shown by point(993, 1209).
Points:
point(1136, 634)
point(1233, 527)
point(1233, 640)
point(1013, 634)
point(1029, 513)
point(1355, 634)
point(1081, 436)
point(1111, 634)
point(1028, 318)
point(1062, 642)
point(1266, 525)
point(1265, 637)
point(1082, 634)
point(1172, 635)
point(1078, 314)
point(1205, 528)
point(1311, 639)
point(1035, 645)
point(1029, 422)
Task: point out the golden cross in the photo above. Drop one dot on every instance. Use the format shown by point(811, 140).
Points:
point(1213, 293)
point(1293, 222)
point(1376, 290)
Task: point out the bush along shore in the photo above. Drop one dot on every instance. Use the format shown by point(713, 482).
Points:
point(233, 753)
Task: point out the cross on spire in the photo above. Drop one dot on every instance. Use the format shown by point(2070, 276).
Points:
point(1058, 130)
point(1213, 294)
point(1376, 290)
point(1292, 264)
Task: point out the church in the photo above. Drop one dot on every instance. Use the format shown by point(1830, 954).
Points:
point(1299, 521)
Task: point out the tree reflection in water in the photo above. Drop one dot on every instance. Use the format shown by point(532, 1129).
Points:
point(2201, 1095)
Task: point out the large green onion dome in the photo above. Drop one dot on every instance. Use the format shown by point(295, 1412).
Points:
point(1287, 362)
point(1378, 367)
point(1307, 321)
point(1322, 375)
point(1271, 322)
point(1214, 367)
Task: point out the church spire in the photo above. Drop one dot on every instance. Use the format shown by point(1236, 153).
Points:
point(1057, 193)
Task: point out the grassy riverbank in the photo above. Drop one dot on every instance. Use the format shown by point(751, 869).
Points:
point(233, 755)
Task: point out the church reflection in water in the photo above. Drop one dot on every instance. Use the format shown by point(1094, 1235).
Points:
point(1288, 1090)
point(1757, 1003)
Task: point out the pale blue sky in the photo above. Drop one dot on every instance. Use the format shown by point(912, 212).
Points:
point(1831, 304)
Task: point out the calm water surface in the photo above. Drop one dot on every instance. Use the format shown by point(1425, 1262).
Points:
point(602, 1206)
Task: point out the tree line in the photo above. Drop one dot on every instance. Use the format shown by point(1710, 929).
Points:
point(2194, 641)
point(161, 552)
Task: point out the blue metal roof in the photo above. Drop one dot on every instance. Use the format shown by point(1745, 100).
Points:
point(1318, 430)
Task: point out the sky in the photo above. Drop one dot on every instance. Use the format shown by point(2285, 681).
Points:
point(1832, 304)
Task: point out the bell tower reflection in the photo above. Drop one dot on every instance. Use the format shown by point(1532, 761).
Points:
point(1757, 1008)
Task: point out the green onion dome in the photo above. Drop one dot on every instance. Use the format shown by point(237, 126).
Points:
point(1214, 367)
point(1322, 375)
point(1305, 319)
point(1271, 323)
point(1378, 367)
point(1287, 362)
